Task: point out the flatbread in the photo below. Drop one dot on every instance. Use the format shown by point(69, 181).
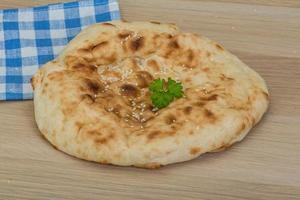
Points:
point(93, 101)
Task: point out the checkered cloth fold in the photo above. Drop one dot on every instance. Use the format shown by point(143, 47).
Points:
point(30, 37)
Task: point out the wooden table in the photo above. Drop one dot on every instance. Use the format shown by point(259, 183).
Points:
point(266, 165)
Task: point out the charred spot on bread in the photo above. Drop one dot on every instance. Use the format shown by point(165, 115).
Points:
point(137, 43)
point(170, 119)
point(174, 44)
point(129, 90)
point(93, 86)
point(108, 24)
point(187, 110)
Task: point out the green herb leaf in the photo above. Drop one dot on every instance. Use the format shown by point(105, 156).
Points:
point(175, 88)
point(157, 85)
point(163, 93)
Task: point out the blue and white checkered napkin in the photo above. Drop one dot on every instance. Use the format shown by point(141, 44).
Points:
point(30, 37)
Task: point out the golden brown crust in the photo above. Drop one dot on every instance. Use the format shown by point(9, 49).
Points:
point(195, 150)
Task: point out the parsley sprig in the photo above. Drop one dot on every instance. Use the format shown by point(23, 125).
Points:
point(163, 93)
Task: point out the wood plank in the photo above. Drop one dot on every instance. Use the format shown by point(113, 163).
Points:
point(267, 30)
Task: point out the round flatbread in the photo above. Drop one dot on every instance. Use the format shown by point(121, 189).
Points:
point(93, 100)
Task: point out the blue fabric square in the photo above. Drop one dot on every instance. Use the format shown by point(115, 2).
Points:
point(42, 59)
point(72, 23)
point(14, 91)
point(43, 42)
point(14, 79)
point(40, 8)
point(42, 25)
point(12, 44)
point(29, 38)
point(71, 4)
point(105, 16)
point(13, 62)
point(10, 26)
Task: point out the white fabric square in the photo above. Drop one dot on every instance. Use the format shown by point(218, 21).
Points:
point(25, 16)
point(2, 70)
point(58, 33)
point(29, 70)
point(57, 49)
point(28, 52)
point(27, 34)
point(113, 6)
point(27, 88)
point(86, 11)
point(2, 53)
point(1, 36)
point(2, 87)
point(56, 14)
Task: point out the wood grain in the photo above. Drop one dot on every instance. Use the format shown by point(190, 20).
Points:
point(266, 165)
